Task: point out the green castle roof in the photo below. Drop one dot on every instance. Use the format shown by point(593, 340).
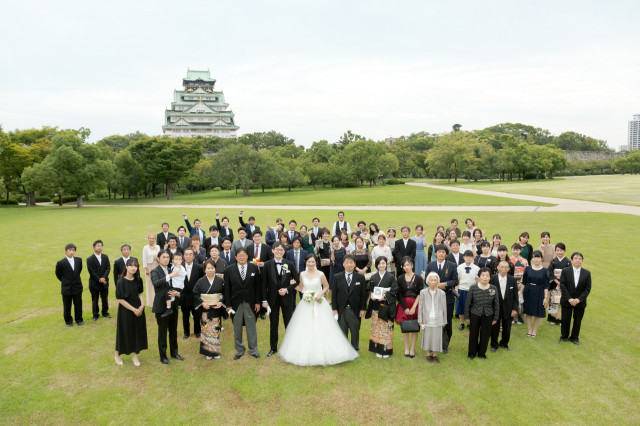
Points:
point(193, 75)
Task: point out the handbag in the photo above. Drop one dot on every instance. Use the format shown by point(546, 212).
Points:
point(409, 326)
point(325, 262)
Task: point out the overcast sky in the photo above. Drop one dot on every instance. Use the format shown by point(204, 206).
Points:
point(313, 70)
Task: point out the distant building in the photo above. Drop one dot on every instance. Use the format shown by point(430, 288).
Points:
point(390, 141)
point(633, 139)
point(623, 148)
point(199, 110)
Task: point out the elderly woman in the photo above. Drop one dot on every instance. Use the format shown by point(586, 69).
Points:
point(149, 263)
point(382, 309)
point(481, 311)
point(210, 315)
point(131, 326)
point(409, 286)
point(432, 317)
point(199, 252)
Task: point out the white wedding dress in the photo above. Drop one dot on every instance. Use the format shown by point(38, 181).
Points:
point(313, 336)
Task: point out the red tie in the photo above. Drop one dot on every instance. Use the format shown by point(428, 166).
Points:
point(256, 255)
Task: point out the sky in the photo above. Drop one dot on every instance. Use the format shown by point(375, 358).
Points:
point(313, 70)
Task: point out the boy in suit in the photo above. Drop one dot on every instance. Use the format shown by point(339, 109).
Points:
point(223, 228)
point(119, 265)
point(99, 268)
point(68, 272)
point(575, 283)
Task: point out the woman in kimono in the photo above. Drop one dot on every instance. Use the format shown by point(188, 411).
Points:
point(210, 315)
point(382, 309)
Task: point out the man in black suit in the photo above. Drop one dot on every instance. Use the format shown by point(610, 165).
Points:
point(99, 268)
point(194, 271)
point(279, 280)
point(227, 254)
point(297, 255)
point(68, 272)
point(448, 273)
point(161, 280)
point(292, 230)
point(349, 300)
point(162, 239)
point(508, 300)
point(454, 255)
point(575, 283)
point(214, 239)
point(119, 266)
point(225, 231)
point(195, 229)
point(258, 250)
point(251, 227)
point(184, 241)
point(315, 231)
point(404, 247)
point(243, 292)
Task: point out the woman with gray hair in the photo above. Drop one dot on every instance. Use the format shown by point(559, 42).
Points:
point(432, 317)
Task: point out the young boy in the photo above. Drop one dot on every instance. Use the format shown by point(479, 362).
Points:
point(467, 276)
point(176, 282)
point(68, 272)
point(519, 265)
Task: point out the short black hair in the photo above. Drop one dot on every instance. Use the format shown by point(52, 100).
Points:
point(454, 242)
point(242, 229)
point(251, 218)
point(405, 260)
point(213, 228)
point(561, 246)
point(545, 234)
point(442, 247)
point(468, 253)
point(277, 244)
point(350, 257)
point(182, 227)
point(127, 245)
point(298, 239)
point(96, 242)
point(485, 269)
point(576, 253)
point(340, 212)
point(165, 223)
point(225, 239)
point(502, 248)
point(538, 253)
point(256, 232)
point(241, 250)
point(70, 246)
point(223, 218)
point(380, 259)
point(315, 218)
point(485, 244)
point(161, 252)
point(362, 222)
point(293, 221)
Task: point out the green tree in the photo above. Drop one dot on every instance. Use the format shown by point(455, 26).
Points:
point(450, 152)
point(347, 138)
point(456, 127)
point(130, 176)
point(388, 164)
point(364, 157)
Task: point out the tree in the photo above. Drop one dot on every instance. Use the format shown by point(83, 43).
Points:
point(572, 141)
point(364, 157)
point(449, 152)
point(268, 140)
point(540, 160)
point(557, 157)
point(290, 173)
point(388, 165)
point(488, 158)
point(130, 176)
point(73, 167)
point(456, 127)
point(242, 165)
point(347, 138)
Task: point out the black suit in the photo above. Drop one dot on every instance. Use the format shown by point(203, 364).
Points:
point(248, 227)
point(186, 242)
point(187, 302)
point(451, 258)
point(272, 281)
point(315, 236)
point(223, 231)
point(99, 270)
point(119, 267)
point(242, 296)
point(70, 288)
point(508, 302)
point(449, 276)
point(169, 323)
point(264, 253)
point(208, 243)
point(161, 240)
point(349, 300)
point(571, 290)
point(400, 251)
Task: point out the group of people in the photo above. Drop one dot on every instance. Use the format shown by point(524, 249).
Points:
point(410, 281)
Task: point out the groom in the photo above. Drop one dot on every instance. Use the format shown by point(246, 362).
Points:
point(349, 300)
point(279, 280)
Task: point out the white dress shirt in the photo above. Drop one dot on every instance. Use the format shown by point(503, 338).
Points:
point(503, 284)
point(576, 276)
point(72, 262)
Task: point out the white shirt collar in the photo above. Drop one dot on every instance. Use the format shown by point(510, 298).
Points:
point(125, 259)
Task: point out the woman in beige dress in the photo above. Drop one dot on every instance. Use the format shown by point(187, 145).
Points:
point(149, 262)
point(432, 317)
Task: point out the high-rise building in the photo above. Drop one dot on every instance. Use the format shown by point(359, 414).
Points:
point(199, 110)
point(633, 139)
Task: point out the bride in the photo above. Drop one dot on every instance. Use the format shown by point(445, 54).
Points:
point(313, 336)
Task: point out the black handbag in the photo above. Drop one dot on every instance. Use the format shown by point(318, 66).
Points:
point(409, 326)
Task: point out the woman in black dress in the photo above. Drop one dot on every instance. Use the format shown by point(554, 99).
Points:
point(361, 254)
point(409, 287)
point(131, 325)
point(210, 315)
point(338, 252)
point(323, 251)
point(535, 293)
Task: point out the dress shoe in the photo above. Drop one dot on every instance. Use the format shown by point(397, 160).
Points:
point(412, 356)
point(136, 362)
point(444, 351)
point(471, 357)
point(256, 356)
point(69, 324)
point(482, 356)
point(506, 348)
point(429, 358)
point(493, 349)
point(461, 327)
point(436, 360)
point(237, 357)
point(178, 357)
point(166, 313)
point(216, 357)
point(165, 360)
point(185, 337)
point(80, 322)
point(106, 315)
point(379, 355)
point(407, 355)
point(575, 341)
point(118, 360)
point(263, 317)
point(271, 352)
point(198, 334)
point(95, 318)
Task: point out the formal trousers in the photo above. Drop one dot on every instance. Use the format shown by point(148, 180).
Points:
point(245, 316)
point(505, 323)
point(168, 325)
point(187, 312)
point(67, 301)
point(349, 322)
point(448, 329)
point(479, 325)
point(577, 312)
point(274, 319)
point(96, 293)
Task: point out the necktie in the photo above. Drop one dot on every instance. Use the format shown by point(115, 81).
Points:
point(255, 255)
point(439, 268)
point(243, 274)
point(226, 256)
point(181, 242)
point(348, 280)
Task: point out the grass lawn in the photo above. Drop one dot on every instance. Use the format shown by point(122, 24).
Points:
point(59, 375)
point(618, 189)
point(388, 195)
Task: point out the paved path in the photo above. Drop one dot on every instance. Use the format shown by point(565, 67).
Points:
point(561, 204)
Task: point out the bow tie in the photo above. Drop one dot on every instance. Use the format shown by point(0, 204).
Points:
point(278, 263)
point(468, 269)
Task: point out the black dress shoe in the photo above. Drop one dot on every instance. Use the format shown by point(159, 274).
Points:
point(471, 357)
point(106, 315)
point(271, 352)
point(461, 327)
point(185, 337)
point(406, 355)
point(69, 324)
point(178, 357)
point(80, 322)
point(504, 347)
point(444, 351)
point(575, 341)
point(256, 356)
point(95, 318)
point(493, 349)
point(436, 359)
point(263, 317)
point(237, 357)
point(165, 360)
point(167, 313)
point(198, 335)
point(482, 356)
point(563, 339)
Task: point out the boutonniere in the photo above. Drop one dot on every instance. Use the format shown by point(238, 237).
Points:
point(492, 292)
point(285, 267)
point(357, 283)
point(253, 274)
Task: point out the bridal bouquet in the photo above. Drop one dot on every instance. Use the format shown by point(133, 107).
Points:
point(310, 297)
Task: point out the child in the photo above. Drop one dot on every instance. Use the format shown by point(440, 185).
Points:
point(176, 282)
point(467, 276)
point(519, 264)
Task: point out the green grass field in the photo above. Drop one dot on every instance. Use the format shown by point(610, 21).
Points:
point(617, 189)
point(388, 195)
point(58, 375)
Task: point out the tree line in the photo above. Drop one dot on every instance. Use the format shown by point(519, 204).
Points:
point(52, 161)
